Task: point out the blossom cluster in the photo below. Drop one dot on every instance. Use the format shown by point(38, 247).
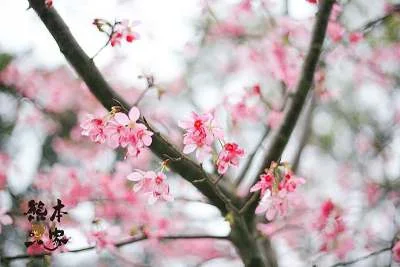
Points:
point(250, 106)
point(276, 186)
point(118, 30)
point(201, 132)
point(331, 226)
point(118, 129)
point(153, 184)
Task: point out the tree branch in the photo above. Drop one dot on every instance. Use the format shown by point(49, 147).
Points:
point(119, 244)
point(305, 135)
point(369, 25)
point(295, 104)
point(249, 162)
point(90, 74)
point(361, 258)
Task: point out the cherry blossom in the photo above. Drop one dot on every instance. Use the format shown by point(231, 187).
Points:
point(102, 240)
point(137, 136)
point(142, 179)
point(273, 205)
point(94, 128)
point(119, 129)
point(247, 107)
point(331, 227)
point(355, 37)
point(200, 134)
point(229, 155)
point(152, 184)
point(124, 30)
point(276, 188)
point(266, 181)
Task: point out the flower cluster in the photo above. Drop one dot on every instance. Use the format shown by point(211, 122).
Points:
point(152, 184)
point(276, 185)
point(201, 133)
point(251, 106)
point(331, 226)
point(229, 155)
point(247, 107)
point(118, 129)
point(118, 30)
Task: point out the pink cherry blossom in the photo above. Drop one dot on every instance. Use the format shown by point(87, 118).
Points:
point(277, 188)
point(160, 189)
point(123, 30)
point(102, 240)
point(200, 133)
point(152, 184)
point(246, 108)
point(229, 155)
point(128, 120)
point(355, 37)
point(116, 38)
point(119, 129)
point(142, 179)
point(335, 31)
point(94, 128)
point(266, 181)
point(127, 26)
point(138, 136)
point(290, 182)
point(333, 230)
point(117, 134)
point(273, 205)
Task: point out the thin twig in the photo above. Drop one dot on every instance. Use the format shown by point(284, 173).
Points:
point(361, 258)
point(305, 134)
point(243, 173)
point(119, 244)
point(142, 94)
point(107, 43)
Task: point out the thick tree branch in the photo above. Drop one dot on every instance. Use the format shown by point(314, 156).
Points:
point(119, 244)
point(87, 70)
point(296, 103)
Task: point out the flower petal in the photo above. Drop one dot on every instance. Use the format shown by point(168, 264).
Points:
point(189, 148)
point(135, 176)
point(134, 114)
point(121, 118)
